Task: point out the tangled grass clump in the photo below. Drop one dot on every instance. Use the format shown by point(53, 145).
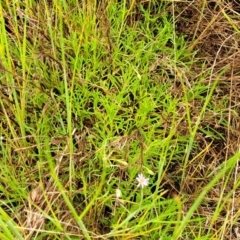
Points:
point(99, 98)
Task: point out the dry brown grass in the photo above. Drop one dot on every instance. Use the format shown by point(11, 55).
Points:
point(210, 29)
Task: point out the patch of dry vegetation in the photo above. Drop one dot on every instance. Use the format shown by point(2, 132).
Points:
point(210, 29)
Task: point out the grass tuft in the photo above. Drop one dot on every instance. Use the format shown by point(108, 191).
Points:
point(94, 93)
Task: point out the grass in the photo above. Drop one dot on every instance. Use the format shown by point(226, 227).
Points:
point(94, 93)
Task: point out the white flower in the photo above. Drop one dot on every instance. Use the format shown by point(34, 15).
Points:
point(142, 181)
point(118, 193)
